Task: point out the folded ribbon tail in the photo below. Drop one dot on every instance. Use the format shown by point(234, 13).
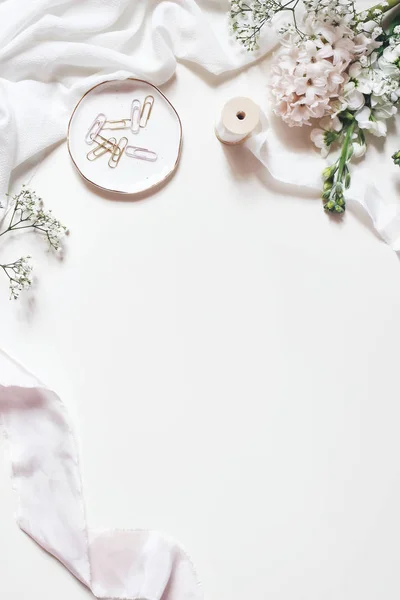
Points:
point(128, 564)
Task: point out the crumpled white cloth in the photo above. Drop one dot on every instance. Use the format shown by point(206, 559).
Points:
point(121, 564)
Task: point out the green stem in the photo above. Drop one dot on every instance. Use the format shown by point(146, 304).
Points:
point(345, 148)
point(5, 267)
point(334, 188)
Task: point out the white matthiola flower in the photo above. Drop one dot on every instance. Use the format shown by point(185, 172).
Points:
point(318, 137)
point(324, 137)
point(366, 120)
point(392, 53)
point(353, 98)
point(332, 124)
point(359, 149)
point(373, 81)
point(388, 68)
point(359, 145)
point(382, 109)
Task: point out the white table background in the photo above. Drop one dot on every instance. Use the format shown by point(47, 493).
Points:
point(229, 358)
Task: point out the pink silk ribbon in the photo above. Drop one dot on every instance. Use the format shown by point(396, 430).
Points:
point(115, 564)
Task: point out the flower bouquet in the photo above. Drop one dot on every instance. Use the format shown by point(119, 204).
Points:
point(336, 70)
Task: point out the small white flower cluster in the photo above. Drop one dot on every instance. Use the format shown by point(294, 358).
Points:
point(371, 93)
point(379, 82)
point(29, 208)
point(334, 12)
point(26, 212)
point(19, 274)
point(248, 17)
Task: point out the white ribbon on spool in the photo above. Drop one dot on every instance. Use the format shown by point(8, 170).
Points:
point(238, 119)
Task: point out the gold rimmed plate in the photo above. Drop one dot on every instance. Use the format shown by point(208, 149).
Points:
point(162, 135)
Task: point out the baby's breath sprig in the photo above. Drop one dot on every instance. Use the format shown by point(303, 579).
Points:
point(248, 17)
point(27, 213)
point(26, 210)
point(19, 276)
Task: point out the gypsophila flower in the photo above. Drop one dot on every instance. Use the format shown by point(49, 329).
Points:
point(19, 276)
point(27, 212)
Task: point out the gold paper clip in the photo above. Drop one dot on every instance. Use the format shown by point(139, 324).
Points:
point(141, 153)
point(117, 152)
point(95, 128)
point(146, 110)
point(100, 139)
point(119, 124)
point(135, 116)
point(102, 148)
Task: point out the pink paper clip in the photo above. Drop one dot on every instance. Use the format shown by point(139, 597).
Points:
point(117, 152)
point(95, 128)
point(140, 153)
point(136, 110)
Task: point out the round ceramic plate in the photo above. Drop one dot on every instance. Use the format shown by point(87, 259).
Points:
point(162, 135)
